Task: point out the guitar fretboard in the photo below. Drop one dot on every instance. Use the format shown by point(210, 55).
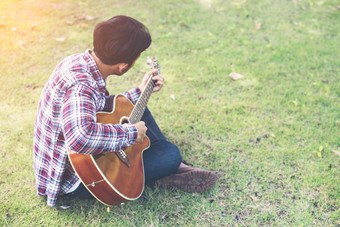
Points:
point(138, 110)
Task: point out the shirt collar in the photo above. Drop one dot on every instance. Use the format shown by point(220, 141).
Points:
point(94, 70)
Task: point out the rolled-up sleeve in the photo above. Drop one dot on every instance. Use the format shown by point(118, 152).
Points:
point(133, 94)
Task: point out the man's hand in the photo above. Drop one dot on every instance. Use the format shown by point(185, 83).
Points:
point(141, 130)
point(159, 80)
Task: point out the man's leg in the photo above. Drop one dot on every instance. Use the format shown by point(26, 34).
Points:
point(81, 192)
point(163, 161)
point(162, 158)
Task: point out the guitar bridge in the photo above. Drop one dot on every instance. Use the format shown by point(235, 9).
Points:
point(123, 157)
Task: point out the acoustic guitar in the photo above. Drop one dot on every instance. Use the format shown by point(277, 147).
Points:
point(116, 177)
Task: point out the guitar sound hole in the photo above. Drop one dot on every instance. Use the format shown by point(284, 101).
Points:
point(125, 121)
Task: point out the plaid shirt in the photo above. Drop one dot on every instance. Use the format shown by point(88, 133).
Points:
point(66, 116)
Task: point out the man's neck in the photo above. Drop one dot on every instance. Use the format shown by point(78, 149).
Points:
point(105, 70)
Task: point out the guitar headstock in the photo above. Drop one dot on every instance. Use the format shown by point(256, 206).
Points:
point(153, 63)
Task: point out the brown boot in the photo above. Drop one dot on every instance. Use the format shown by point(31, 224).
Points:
point(189, 179)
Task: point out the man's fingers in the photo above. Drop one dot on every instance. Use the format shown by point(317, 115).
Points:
point(159, 81)
point(141, 130)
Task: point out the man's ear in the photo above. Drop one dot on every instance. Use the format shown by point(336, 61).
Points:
point(122, 67)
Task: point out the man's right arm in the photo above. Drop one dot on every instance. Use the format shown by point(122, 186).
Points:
point(81, 132)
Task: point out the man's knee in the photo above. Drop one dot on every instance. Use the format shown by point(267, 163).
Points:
point(175, 155)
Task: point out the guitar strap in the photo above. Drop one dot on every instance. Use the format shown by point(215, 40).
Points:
point(108, 103)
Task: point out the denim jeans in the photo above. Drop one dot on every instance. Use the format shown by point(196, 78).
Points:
point(161, 159)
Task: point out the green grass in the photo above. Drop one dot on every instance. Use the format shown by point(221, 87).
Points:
point(270, 136)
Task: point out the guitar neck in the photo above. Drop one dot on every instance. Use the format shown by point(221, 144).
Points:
point(138, 110)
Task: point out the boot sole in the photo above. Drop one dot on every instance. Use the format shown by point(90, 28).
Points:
point(192, 181)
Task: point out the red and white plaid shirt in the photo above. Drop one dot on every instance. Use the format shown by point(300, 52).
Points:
point(67, 116)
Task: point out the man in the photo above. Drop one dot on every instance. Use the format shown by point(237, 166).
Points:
point(66, 117)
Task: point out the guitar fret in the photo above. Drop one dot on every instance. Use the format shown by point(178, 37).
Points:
point(140, 106)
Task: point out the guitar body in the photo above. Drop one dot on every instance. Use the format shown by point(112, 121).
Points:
point(106, 176)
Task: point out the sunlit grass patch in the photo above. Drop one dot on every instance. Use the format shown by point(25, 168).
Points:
point(271, 136)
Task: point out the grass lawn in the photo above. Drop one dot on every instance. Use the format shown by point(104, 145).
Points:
point(272, 136)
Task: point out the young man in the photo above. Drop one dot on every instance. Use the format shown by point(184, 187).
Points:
point(66, 117)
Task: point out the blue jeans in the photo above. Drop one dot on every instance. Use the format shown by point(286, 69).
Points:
point(161, 159)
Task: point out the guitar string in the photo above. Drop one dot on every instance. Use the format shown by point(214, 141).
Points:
point(140, 106)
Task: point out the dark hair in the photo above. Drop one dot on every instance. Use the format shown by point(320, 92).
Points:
point(120, 39)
